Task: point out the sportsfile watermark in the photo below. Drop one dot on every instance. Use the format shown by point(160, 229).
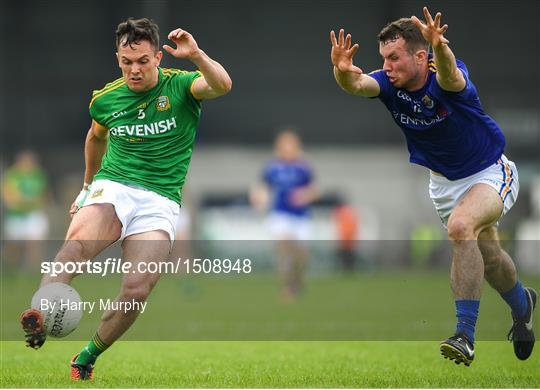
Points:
point(370, 290)
point(112, 265)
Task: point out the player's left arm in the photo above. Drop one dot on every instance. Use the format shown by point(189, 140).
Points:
point(449, 77)
point(215, 80)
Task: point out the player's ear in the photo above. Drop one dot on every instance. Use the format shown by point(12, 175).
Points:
point(421, 56)
point(118, 58)
point(159, 56)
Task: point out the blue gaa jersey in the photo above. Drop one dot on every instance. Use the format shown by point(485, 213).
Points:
point(447, 132)
point(283, 179)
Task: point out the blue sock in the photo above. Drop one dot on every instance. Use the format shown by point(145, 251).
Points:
point(467, 313)
point(517, 300)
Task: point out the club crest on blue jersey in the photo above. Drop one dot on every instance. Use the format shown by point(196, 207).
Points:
point(428, 102)
point(163, 103)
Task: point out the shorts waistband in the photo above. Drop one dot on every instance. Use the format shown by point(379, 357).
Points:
point(438, 178)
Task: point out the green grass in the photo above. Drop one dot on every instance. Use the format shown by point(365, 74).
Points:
point(404, 306)
point(404, 315)
point(270, 365)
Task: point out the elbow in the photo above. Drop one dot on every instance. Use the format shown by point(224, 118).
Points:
point(95, 139)
point(226, 86)
point(350, 90)
point(223, 88)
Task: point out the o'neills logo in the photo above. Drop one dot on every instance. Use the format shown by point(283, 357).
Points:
point(57, 326)
point(146, 129)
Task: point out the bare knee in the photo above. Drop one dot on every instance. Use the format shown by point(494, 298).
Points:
point(459, 230)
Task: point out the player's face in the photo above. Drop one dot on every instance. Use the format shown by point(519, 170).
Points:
point(26, 161)
point(139, 64)
point(288, 147)
point(402, 68)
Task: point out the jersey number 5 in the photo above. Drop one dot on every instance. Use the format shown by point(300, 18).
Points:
point(141, 114)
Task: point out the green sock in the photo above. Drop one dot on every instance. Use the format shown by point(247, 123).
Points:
point(90, 353)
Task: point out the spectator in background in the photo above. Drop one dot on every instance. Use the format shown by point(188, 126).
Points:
point(288, 189)
point(24, 193)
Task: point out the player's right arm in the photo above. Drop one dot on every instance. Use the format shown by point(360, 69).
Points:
point(94, 149)
point(259, 197)
point(348, 76)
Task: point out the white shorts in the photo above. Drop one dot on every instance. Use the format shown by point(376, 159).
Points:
point(139, 210)
point(502, 176)
point(32, 226)
point(183, 223)
point(288, 226)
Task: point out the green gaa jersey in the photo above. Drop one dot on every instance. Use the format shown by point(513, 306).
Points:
point(151, 134)
point(30, 187)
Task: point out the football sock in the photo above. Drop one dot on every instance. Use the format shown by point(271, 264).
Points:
point(467, 313)
point(517, 300)
point(90, 353)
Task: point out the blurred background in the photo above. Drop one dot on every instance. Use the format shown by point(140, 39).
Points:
point(277, 53)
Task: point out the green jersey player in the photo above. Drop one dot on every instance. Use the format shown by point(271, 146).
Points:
point(137, 153)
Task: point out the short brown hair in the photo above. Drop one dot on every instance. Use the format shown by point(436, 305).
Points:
point(132, 31)
point(404, 28)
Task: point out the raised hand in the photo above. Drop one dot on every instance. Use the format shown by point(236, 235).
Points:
point(186, 47)
point(431, 30)
point(342, 53)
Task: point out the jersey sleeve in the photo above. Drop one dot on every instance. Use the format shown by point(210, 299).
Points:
point(98, 108)
point(384, 84)
point(97, 113)
point(185, 81)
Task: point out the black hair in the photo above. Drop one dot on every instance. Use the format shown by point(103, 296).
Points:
point(406, 29)
point(132, 31)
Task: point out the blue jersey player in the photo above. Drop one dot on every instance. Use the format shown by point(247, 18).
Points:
point(290, 190)
point(472, 183)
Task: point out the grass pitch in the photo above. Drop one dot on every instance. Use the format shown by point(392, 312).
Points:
point(298, 364)
point(416, 308)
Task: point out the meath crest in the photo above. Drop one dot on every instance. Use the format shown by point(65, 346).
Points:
point(97, 193)
point(163, 103)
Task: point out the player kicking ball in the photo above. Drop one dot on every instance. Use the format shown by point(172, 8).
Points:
point(472, 183)
point(137, 154)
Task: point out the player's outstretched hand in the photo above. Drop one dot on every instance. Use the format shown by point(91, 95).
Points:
point(342, 53)
point(186, 47)
point(432, 30)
